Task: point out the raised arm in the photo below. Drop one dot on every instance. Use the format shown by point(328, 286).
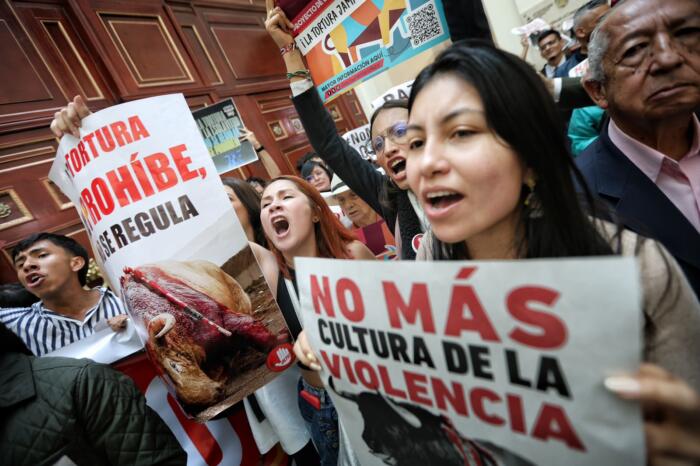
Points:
point(359, 175)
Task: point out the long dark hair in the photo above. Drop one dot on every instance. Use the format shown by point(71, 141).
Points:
point(250, 199)
point(521, 112)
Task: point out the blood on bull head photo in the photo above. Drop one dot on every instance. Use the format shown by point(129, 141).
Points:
point(208, 333)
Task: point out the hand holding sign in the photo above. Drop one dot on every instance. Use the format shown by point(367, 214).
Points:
point(672, 409)
point(277, 24)
point(67, 120)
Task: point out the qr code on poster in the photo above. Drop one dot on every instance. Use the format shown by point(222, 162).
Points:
point(424, 24)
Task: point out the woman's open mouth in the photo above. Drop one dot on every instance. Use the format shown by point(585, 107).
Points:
point(398, 166)
point(280, 225)
point(437, 203)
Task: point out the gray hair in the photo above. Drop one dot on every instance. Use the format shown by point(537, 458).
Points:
point(597, 48)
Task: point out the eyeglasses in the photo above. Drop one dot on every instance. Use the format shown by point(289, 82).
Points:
point(396, 134)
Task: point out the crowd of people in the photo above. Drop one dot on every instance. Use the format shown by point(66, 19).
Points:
point(476, 165)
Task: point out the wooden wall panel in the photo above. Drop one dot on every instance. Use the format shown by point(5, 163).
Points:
point(59, 43)
point(250, 55)
point(24, 166)
point(28, 89)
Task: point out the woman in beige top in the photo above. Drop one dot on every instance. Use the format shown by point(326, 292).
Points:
point(487, 159)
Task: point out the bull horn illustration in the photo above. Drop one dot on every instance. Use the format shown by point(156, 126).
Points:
point(164, 319)
point(405, 414)
point(348, 396)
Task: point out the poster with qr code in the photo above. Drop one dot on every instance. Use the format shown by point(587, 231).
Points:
point(347, 42)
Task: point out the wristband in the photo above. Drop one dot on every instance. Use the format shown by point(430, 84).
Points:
point(288, 48)
point(306, 74)
point(259, 149)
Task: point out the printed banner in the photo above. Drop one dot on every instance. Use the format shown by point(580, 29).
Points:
point(402, 91)
point(220, 125)
point(359, 139)
point(456, 363)
point(348, 41)
point(157, 215)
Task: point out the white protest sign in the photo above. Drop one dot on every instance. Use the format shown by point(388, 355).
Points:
point(500, 360)
point(358, 139)
point(156, 213)
point(401, 91)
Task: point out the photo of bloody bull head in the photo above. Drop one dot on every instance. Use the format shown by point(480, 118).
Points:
point(199, 329)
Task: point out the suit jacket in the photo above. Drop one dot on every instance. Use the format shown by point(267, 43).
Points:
point(573, 95)
point(640, 205)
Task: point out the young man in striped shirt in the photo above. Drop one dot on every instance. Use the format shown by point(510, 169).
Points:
point(54, 268)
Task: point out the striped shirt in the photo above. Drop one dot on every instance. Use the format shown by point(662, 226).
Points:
point(44, 330)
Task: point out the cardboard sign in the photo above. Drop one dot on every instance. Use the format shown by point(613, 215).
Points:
point(221, 125)
point(503, 361)
point(359, 139)
point(348, 41)
point(157, 216)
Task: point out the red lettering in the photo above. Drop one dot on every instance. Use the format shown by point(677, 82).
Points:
point(83, 153)
point(68, 167)
point(348, 369)
point(181, 162)
point(138, 130)
point(333, 364)
point(386, 383)
point(103, 197)
point(163, 176)
point(121, 134)
point(416, 388)
point(323, 297)
point(477, 397)
point(464, 296)
point(357, 313)
point(552, 422)
point(75, 160)
point(88, 140)
point(123, 185)
point(553, 334)
point(515, 411)
point(455, 397)
point(104, 139)
point(366, 375)
point(418, 305)
point(89, 204)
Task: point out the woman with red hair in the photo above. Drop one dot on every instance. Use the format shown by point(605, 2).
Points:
point(298, 223)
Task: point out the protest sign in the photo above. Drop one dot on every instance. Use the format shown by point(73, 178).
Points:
point(428, 363)
point(359, 139)
point(401, 91)
point(157, 215)
point(225, 441)
point(220, 125)
point(348, 41)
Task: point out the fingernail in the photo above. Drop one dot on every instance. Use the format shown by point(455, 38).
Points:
point(622, 385)
point(315, 366)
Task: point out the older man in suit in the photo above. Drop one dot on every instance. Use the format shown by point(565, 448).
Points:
point(645, 71)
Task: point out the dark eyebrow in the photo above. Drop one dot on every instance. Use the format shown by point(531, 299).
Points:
point(29, 252)
point(449, 116)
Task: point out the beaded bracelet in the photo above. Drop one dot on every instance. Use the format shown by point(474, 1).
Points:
point(306, 74)
point(288, 48)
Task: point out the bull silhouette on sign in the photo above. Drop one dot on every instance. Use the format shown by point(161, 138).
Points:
point(403, 434)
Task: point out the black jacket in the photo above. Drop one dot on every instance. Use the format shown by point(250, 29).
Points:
point(360, 176)
point(640, 205)
point(52, 408)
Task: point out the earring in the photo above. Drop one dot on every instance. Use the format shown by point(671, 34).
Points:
point(532, 201)
point(315, 219)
